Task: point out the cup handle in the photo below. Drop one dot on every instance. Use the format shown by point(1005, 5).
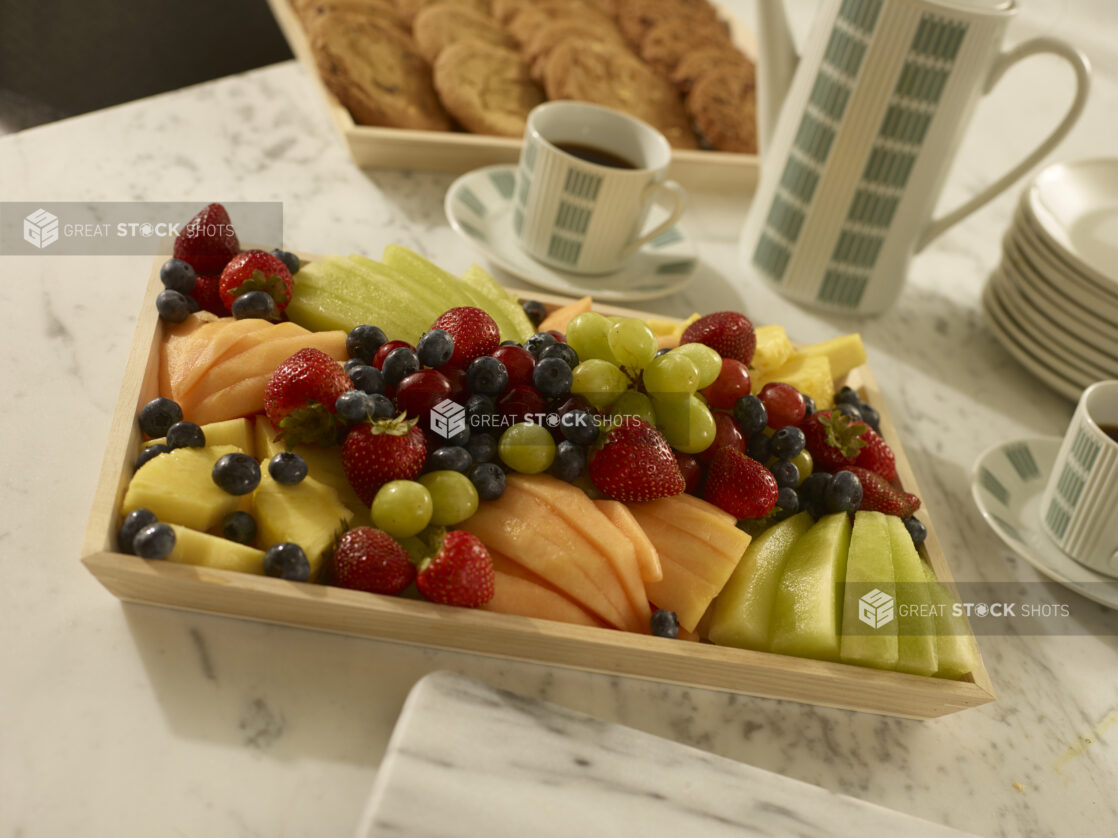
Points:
point(679, 197)
point(1082, 70)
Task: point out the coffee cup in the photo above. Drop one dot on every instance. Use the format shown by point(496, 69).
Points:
point(1079, 507)
point(586, 180)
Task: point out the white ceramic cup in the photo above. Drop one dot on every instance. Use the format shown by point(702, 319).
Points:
point(1079, 508)
point(584, 217)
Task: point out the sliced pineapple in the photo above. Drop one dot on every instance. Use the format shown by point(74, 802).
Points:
point(773, 350)
point(199, 548)
point(669, 332)
point(810, 374)
point(179, 489)
point(236, 432)
point(844, 352)
point(308, 514)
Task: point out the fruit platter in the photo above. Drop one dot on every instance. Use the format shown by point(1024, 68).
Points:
point(384, 449)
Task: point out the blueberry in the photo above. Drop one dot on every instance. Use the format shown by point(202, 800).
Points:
point(364, 341)
point(569, 462)
point(352, 406)
point(434, 348)
point(177, 275)
point(460, 438)
point(287, 468)
point(487, 375)
point(352, 364)
point(381, 407)
point(536, 312)
point(287, 561)
point(133, 522)
point(850, 410)
point(482, 447)
point(787, 442)
point(815, 486)
point(155, 541)
point(400, 363)
point(809, 405)
point(579, 427)
point(481, 412)
point(759, 448)
point(289, 259)
point(192, 304)
point(844, 494)
point(664, 624)
point(158, 415)
point(488, 479)
point(185, 435)
point(787, 501)
point(786, 474)
point(750, 413)
point(450, 458)
point(847, 395)
point(552, 377)
point(538, 342)
point(172, 306)
point(150, 453)
point(258, 305)
point(367, 379)
point(237, 474)
point(239, 526)
point(663, 351)
point(916, 529)
point(870, 416)
point(562, 351)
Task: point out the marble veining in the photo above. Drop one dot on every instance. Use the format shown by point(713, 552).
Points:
point(128, 719)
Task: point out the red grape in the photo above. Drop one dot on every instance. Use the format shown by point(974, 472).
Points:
point(457, 378)
point(783, 403)
point(691, 470)
point(421, 391)
point(520, 401)
point(518, 361)
point(732, 383)
point(726, 432)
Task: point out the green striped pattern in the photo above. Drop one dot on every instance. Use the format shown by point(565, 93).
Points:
point(1021, 458)
point(504, 181)
point(1084, 450)
point(873, 208)
point(842, 289)
point(572, 218)
point(814, 138)
point(1057, 519)
point(771, 257)
point(920, 82)
point(905, 124)
point(830, 96)
point(682, 266)
point(938, 38)
point(858, 249)
point(1070, 485)
point(888, 168)
point(1008, 527)
point(861, 14)
point(669, 236)
point(473, 231)
point(565, 250)
point(799, 179)
point(466, 196)
point(994, 486)
point(785, 218)
point(845, 52)
point(582, 184)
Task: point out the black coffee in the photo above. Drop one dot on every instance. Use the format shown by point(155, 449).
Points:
point(1110, 430)
point(593, 154)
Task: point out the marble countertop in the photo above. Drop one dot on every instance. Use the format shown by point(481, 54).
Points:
point(136, 720)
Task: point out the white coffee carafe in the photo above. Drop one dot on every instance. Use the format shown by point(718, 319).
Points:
point(858, 135)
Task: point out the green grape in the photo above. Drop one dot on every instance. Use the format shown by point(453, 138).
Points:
point(632, 343)
point(670, 375)
point(805, 464)
point(453, 495)
point(706, 361)
point(402, 508)
point(599, 382)
point(527, 447)
point(634, 403)
point(687, 425)
point(588, 335)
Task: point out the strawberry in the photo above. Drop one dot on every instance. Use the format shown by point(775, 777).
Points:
point(877, 456)
point(300, 395)
point(256, 270)
point(635, 463)
point(879, 495)
point(367, 559)
point(460, 572)
point(740, 485)
point(729, 333)
point(833, 440)
point(382, 450)
point(475, 333)
point(208, 240)
point(207, 296)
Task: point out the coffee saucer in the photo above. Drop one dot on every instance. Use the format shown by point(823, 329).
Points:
point(1007, 484)
point(479, 206)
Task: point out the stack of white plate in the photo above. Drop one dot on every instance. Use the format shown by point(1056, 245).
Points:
point(1053, 300)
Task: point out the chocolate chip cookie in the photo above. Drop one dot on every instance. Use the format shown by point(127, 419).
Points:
point(410, 9)
point(699, 62)
point(667, 43)
point(723, 104)
point(531, 18)
point(486, 88)
point(636, 17)
point(540, 45)
point(376, 71)
point(609, 75)
point(439, 26)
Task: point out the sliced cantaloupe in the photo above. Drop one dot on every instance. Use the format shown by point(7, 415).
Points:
point(241, 399)
point(515, 525)
point(580, 513)
point(516, 590)
point(246, 342)
point(648, 560)
point(188, 356)
point(172, 348)
point(560, 317)
point(696, 517)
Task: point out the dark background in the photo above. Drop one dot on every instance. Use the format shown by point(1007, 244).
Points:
point(59, 58)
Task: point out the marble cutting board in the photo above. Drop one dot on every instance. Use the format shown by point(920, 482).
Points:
point(467, 759)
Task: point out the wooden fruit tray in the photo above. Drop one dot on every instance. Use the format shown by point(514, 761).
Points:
point(373, 147)
point(460, 629)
